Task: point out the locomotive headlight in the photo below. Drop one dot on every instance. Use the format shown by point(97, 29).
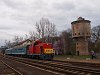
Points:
point(49, 51)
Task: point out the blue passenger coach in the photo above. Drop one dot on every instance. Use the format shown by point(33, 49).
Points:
point(16, 51)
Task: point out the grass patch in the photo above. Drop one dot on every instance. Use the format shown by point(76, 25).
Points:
point(62, 57)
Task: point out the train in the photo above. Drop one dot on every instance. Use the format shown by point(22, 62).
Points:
point(37, 50)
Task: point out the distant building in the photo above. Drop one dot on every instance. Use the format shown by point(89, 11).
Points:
point(23, 43)
point(81, 31)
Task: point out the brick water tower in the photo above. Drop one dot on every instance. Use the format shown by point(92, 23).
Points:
point(81, 31)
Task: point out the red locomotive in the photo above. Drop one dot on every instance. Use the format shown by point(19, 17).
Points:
point(37, 49)
point(41, 50)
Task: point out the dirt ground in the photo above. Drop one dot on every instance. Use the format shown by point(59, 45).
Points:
point(77, 58)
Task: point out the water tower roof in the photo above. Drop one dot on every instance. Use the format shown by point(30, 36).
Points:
point(80, 19)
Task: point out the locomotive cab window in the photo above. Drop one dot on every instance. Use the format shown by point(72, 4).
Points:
point(41, 48)
point(36, 43)
point(27, 47)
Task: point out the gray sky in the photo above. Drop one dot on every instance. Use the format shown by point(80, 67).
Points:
point(18, 17)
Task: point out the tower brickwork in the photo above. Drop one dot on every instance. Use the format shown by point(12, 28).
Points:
point(81, 31)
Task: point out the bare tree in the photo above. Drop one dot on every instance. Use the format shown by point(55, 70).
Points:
point(40, 27)
point(33, 35)
point(8, 44)
point(65, 40)
point(68, 44)
point(96, 38)
point(96, 33)
point(17, 39)
point(26, 37)
point(50, 31)
point(45, 29)
point(58, 47)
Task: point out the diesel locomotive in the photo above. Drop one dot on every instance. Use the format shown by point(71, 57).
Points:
point(37, 49)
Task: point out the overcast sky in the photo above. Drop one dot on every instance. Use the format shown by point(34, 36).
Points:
point(18, 17)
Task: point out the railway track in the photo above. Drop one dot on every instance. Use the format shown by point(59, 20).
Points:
point(61, 67)
point(82, 64)
point(26, 69)
point(6, 69)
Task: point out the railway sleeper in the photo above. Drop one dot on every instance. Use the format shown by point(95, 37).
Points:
point(78, 69)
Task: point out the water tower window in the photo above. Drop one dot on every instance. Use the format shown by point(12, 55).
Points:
point(77, 43)
point(75, 33)
point(78, 33)
point(77, 47)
